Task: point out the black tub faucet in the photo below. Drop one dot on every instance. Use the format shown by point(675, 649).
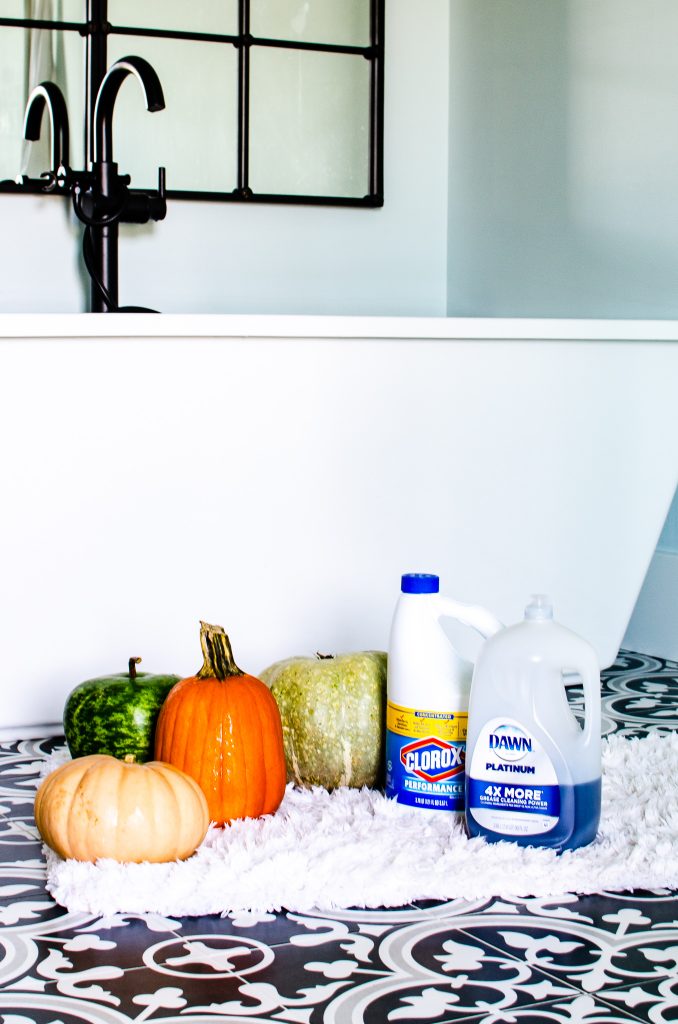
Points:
point(103, 200)
point(101, 197)
point(108, 93)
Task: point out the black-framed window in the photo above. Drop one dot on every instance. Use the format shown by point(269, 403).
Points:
point(266, 100)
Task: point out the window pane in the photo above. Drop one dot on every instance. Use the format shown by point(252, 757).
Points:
point(65, 10)
point(345, 22)
point(13, 46)
point(57, 57)
point(309, 123)
point(218, 16)
point(196, 136)
point(72, 10)
point(70, 76)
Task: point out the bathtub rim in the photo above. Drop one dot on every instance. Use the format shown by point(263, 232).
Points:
point(217, 325)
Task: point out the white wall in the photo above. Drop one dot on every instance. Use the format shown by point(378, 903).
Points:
point(235, 258)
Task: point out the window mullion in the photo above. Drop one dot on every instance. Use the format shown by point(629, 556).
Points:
point(376, 183)
point(96, 66)
point(244, 97)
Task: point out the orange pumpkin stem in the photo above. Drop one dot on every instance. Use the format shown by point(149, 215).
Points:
point(217, 655)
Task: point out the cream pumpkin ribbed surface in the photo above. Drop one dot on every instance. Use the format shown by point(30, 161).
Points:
point(97, 806)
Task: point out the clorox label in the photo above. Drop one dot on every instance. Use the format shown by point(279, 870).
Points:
point(425, 756)
point(432, 759)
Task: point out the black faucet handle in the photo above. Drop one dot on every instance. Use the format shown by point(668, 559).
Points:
point(141, 206)
point(158, 202)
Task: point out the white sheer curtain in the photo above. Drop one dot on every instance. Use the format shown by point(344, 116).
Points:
point(40, 63)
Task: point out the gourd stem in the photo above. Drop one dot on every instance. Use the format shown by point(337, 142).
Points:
point(133, 662)
point(217, 655)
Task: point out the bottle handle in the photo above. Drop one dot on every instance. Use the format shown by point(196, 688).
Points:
point(472, 615)
point(589, 669)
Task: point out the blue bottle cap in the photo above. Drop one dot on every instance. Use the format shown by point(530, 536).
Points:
point(420, 583)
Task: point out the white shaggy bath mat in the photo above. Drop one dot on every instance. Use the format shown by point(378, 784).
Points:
point(354, 848)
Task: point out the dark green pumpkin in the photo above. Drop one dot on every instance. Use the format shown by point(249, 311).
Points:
point(116, 714)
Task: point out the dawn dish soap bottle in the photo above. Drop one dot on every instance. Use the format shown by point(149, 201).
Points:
point(428, 684)
point(533, 773)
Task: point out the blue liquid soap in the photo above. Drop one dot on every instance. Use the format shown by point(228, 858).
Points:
point(577, 825)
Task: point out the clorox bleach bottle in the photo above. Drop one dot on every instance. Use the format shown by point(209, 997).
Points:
point(533, 773)
point(428, 685)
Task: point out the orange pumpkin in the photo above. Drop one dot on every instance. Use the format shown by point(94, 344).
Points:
point(223, 728)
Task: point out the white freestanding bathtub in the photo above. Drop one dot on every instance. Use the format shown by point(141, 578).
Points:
point(276, 475)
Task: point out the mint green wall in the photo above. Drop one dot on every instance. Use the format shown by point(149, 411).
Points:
point(563, 158)
point(563, 141)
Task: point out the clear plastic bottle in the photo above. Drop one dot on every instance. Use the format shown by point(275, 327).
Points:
point(533, 773)
point(428, 691)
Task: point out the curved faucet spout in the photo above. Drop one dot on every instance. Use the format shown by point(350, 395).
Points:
point(48, 95)
point(107, 95)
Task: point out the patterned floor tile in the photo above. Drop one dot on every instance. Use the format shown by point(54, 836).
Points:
point(19, 837)
point(273, 929)
point(583, 1009)
point(421, 910)
point(53, 1008)
point(440, 974)
point(121, 940)
point(359, 1006)
point(146, 994)
point(138, 1000)
point(654, 999)
point(224, 975)
point(29, 911)
point(596, 943)
point(639, 695)
point(322, 962)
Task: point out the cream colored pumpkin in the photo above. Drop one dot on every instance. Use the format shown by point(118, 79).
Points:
point(98, 806)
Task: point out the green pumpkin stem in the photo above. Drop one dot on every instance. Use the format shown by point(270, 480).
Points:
point(133, 662)
point(218, 660)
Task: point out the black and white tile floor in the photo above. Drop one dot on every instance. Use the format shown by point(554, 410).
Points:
point(611, 957)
